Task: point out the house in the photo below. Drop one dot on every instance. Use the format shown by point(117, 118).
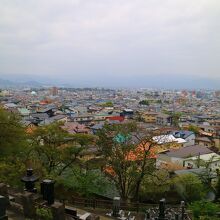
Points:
point(165, 142)
point(95, 128)
point(168, 138)
point(214, 123)
point(188, 136)
point(127, 113)
point(75, 127)
point(83, 118)
point(204, 141)
point(150, 117)
point(208, 130)
point(23, 111)
point(200, 119)
point(190, 157)
point(101, 116)
point(114, 118)
point(48, 110)
point(10, 106)
point(56, 118)
point(163, 119)
point(39, 117)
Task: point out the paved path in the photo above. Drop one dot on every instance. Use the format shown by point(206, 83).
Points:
point(14, 216)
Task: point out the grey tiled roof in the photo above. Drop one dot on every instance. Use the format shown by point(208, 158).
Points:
point(189, 151)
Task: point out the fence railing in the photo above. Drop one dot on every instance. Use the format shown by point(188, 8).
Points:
point(107, 204)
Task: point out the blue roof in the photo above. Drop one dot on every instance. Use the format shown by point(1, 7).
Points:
point(97, 126)
point(182, 134)
point(120, 138)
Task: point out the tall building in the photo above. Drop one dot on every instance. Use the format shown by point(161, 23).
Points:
point(54, 91)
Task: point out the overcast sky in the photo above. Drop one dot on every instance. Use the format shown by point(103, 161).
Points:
point(111, 41)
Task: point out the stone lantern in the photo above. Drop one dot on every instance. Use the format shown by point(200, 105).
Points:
point(29, 181)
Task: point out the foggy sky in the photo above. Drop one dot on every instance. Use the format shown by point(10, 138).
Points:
point(111, 41)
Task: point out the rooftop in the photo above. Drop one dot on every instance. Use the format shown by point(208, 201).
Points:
point(190, 151)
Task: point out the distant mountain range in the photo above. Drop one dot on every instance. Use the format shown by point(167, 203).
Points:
point(151, 81)
point(4, 83)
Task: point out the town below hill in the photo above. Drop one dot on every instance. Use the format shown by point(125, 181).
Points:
point(98, 146)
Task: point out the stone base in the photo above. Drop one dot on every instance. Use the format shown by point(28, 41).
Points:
point(4, 218)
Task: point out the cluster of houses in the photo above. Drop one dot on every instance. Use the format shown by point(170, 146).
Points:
point(194, 137)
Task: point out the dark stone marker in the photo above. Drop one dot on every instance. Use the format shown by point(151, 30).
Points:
point(71, 211)
point(162, 210)
point(3, 206)
point(4, 191)
point(182, 205)
point(58, 211)
point(176, 216)
point(116, 206)
point(148, 215)
point(28, 203)
point(47, 190)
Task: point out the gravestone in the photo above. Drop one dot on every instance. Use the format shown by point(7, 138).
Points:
point(3, 206)
point(58, 211)
point(116, 206)
point(28, 203)
point(182, 205)
point(47, 190)
point(71, 211)
point(162, 210)
point(4, 191)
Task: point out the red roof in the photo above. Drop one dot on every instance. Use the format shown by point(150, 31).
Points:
point(115, 118)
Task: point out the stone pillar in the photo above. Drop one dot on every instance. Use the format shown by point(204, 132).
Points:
point(182, 205)
point(4, 191)
point(161, 210)
point(3, 206)
point(28, 204)
point(47, 190)
point(147, 215)
point(58, 211)
point(116, 206)
point(176, 216)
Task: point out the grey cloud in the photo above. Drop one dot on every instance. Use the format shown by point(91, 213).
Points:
point(127, 37)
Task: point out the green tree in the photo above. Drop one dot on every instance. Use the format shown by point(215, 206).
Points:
point(189, 186)
point(159, 183)
point(13, 147)
point(108, 104)
point(217, 187)
point(194, 129)
point(144, 102)
point(86, 183)
point(127, 157)
point(11, 172)
point(204, 209)
point(12, 135)
point(176, 117)
point(56, 149)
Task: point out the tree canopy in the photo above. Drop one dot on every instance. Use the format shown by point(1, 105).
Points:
point(127, 157)
point(56, 149)
point(144, 102)
point(12, 134)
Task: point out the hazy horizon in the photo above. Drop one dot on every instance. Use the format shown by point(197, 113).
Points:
point(143, 43)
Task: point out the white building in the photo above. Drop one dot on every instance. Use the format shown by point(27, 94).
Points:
point(190, 157)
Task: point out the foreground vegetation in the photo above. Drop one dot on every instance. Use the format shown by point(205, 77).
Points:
point(121, 167)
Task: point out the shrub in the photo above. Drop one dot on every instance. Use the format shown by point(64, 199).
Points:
point(189, 187)
point(44, 214)
point(204, 209)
